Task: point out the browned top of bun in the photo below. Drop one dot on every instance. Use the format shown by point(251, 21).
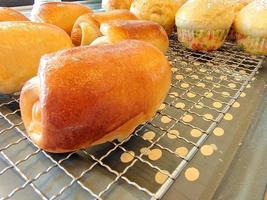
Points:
point(103, 17)
point(86, 93)
point(118, 30)
point(61, 14)
point(116, 4)
point(9, 14)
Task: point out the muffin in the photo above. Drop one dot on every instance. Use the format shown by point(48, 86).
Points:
point(251, 28)
point(160, 11)
point(238, 5)
point(206, 29)
point(116, 4)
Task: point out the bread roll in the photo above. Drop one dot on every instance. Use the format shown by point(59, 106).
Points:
point(251, 28)
point(86, 28)
point(118, 30)
point(160, 11)
point(61, 14)
point(9, 14)
point(22, 44)
point(89, 95)
point(116, 4)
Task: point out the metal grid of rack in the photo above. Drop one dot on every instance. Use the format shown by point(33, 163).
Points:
point(199, 80)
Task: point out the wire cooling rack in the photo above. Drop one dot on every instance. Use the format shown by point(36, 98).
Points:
point(199, 80)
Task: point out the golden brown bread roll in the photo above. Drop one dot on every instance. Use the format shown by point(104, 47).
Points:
point(86, 28)
point(89, 95)
point(116, 4)
point(9, 14)
point(160, 11)
point(61, 14)
point(22, 44)
point(118, 30)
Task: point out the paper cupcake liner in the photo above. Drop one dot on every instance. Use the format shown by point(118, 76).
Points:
point(252, 45)
point(202, 40)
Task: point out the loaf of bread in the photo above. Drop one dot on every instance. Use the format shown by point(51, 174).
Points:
point(89, 95)
point(22, 44)
point(9, 14)
point(118, 30)
point(160, 11)
point(61, 14)
point(116, 4)
point(86, 28)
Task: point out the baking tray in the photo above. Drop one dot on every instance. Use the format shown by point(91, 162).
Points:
point(147, 163)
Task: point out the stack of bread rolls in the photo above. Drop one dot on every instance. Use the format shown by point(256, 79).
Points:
point(82, 96)
point(86, 28)
point(118, 75)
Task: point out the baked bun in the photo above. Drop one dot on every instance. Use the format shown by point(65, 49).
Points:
point(22, 45)
point(160, 11)
point(9, 14)
point(118, 30)
point(206, 29)
point(61, 14)
point(251, 28)
point(116, 4)
point(89, 95)
point(86, 28)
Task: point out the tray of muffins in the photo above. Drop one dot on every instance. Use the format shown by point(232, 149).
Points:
point(135, 101)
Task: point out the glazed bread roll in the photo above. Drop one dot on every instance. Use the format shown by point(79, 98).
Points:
point(89, 95)
point(160, 11)
point(118, 30)
point(61, 14)
point(251, 28)
point(116, 4)
point(86, 28)
point(206, 29)
point(22, 44)
point(9, 14)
